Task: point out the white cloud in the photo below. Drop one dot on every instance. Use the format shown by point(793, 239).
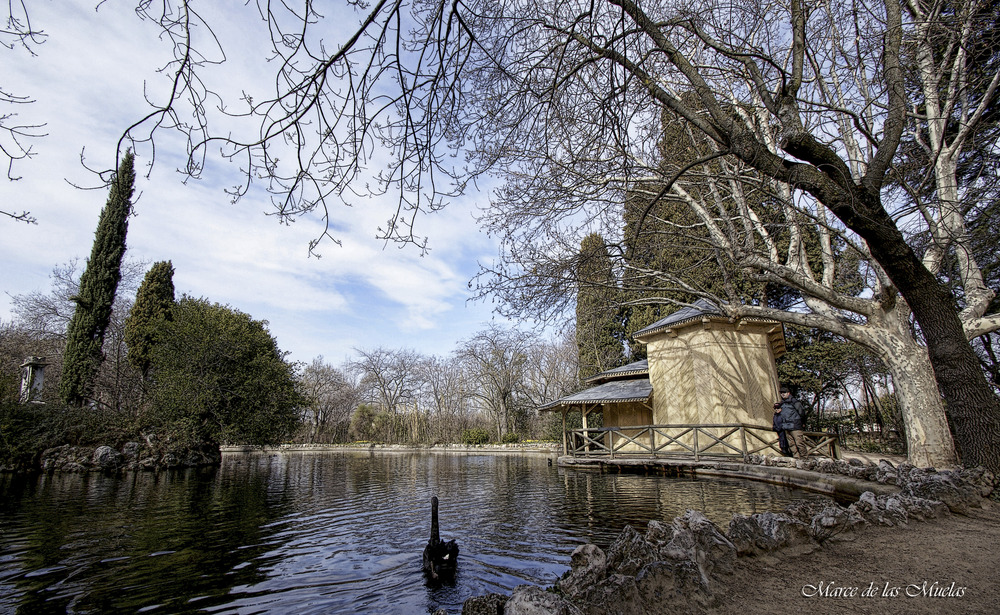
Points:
point(89, 80)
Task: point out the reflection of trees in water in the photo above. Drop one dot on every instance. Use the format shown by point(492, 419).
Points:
point(607, 503)
point(168, 538)
point(291, 529)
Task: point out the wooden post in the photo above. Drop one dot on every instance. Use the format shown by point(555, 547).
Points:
point(564, 434)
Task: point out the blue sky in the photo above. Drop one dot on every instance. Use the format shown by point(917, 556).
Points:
point(88, 80)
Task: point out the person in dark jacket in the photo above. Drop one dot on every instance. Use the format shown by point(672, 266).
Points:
point(791, 412)
point(776, 424)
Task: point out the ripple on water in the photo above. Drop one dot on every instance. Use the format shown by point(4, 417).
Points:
point(324, 532)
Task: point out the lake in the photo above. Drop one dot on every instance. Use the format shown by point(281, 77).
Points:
point(323, 532)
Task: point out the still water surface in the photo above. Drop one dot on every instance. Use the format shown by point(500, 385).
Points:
point(333, 532)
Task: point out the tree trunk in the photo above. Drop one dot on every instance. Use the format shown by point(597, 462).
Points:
point(974, 409)
point(928, 439)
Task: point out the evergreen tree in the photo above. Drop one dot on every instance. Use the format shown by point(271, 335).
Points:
point(85, 334)
point(598, 310)
point(669, 256)
point(153, 305)
point(220, 377)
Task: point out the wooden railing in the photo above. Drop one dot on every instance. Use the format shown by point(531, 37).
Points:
point(697, 441)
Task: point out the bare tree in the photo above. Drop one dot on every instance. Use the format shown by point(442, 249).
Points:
point(42, 317)
point(552, 369)
point(332, 398)
point(389, 378)
point(497, 361)
point(446, 397)
point(17, 33)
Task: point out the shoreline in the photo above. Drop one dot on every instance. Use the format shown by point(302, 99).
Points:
point(539, 448)
point(840, 481)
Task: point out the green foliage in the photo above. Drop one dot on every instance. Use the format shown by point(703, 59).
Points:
point(511, 437)
point(475, 436)
point(27, 430)
point(153, 305)
point(363, 423)
point(220, 377)
point(85, 334)
point(598, 310)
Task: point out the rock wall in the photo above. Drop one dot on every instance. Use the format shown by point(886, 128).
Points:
point(133, 456)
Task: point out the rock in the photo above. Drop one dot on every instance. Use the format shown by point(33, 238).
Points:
point(805, 464)
point(131, 450)
point(805, 510)
point(630, 552)
point(766, 532)
point(834, 522)
point(672, 587)
point(67, 458)
point(885, 473)
point(532, 600)
point(697, 539)
point(107, 458)
point(617, 593)
point(875, 511)
point(826, 466)
point(675, 564)
point(945, 486)
point(490, 604)
point(588, 566)
point(980, 478)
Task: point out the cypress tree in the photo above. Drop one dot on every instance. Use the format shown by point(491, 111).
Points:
point(85, 334)
point(598, 310)
point(153, 306)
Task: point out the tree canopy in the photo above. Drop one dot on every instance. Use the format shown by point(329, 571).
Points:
point(220, 377)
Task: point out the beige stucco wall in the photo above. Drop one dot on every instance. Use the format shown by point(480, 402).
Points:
point(713, 373)
point(616, 415)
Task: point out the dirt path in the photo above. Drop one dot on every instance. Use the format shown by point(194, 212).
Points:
point(883, 570)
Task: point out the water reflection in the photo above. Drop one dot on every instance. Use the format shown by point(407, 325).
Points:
point(321, 533)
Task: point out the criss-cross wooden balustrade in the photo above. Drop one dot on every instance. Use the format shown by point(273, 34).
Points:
point(697, 441)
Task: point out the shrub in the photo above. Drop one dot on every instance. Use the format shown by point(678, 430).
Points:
point(477, 435)
point(510, 438)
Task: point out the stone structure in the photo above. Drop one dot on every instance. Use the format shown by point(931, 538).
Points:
point(32, 379)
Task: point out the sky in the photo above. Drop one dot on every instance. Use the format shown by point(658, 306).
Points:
point(88, 80)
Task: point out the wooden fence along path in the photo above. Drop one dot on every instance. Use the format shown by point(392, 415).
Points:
point(697, 441)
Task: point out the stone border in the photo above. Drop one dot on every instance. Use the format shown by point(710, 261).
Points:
point(545, 448)
point(837, 478)
point(677, 568)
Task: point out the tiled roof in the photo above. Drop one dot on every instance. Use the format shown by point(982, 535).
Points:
point(697, 310)
point(638, 368)
point(613, 392)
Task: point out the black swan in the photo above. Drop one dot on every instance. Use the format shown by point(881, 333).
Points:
point(440, 557)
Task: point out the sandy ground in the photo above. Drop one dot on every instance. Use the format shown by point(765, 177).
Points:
point(947, 565)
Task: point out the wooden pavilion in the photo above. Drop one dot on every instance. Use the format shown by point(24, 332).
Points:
point(706, 388)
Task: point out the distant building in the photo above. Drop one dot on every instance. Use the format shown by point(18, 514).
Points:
point(703, 368)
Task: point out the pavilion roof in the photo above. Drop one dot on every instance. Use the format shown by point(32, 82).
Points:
point(637, 368)
point(612, 392)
